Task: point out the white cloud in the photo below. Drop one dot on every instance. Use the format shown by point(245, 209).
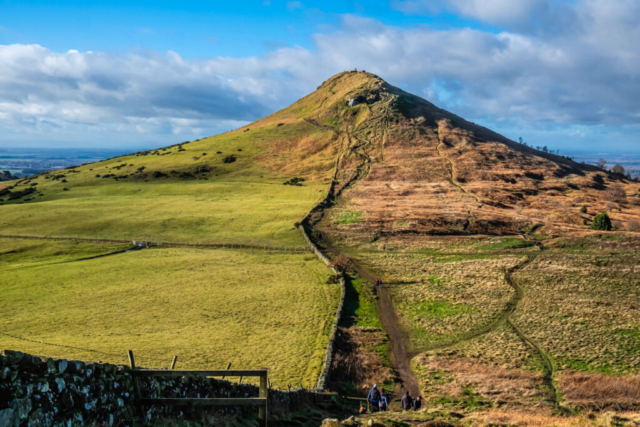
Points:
point(586, 74)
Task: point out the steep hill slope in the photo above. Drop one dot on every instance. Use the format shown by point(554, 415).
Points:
point(424, 170)
point(419, 168)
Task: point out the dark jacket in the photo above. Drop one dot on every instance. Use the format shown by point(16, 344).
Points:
point(417, 404)
point(407, 402)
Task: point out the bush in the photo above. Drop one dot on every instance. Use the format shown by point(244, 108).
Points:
point(616, 194)
point(158, 174)
point(634, 226)
point(601, 222)
point(333, 279)
point(617, 225)
point(618, 170)
point(294, 181)
point(611, 206)
point(229, 159)
point(583, 209)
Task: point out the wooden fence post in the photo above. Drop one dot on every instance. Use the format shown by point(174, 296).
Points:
point(262, 415)
point(173, 362)
point(228, 367)
point(132, 362)
point(136, 387)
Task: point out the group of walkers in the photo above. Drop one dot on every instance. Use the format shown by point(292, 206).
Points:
point(378, 282)
point(378, 400)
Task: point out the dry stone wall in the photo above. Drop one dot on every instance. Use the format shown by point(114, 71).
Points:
point(39, 391)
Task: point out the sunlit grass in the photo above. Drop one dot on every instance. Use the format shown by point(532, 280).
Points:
point(209, 307)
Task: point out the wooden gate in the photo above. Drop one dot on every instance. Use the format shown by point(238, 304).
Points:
point(260, 401)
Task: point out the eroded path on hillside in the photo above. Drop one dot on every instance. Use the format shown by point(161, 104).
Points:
point(452, 171)
point(390, 322)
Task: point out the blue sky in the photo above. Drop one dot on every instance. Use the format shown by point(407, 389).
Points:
point(145, 73)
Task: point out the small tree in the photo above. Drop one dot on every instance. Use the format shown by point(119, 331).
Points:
point(601, 222)
point(583, 209)
point(602, 163)
point(618, 170)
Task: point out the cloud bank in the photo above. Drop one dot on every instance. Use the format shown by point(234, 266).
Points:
point(552, 67)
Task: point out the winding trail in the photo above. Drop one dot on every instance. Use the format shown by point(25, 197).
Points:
point(452, 169)
point(509, 309)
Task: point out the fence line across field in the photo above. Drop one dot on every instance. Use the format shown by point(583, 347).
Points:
point(163, 244)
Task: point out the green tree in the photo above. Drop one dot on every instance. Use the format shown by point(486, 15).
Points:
point(583, 209)
point(601, 222)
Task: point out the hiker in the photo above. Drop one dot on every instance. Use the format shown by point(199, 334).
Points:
point(407, 401)
point(417, 404)
point(384, 248)
point(374, 398)
point(377, 282)
point(384, 401)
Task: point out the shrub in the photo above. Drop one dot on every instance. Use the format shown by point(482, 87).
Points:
point(618, 170)
point(158, 174)
point(333, 279)
point(616, 194)
point(601, 222)
point(611, 206)
point(634, 226)
point(617, 225)
point(229, 159)
point(294, 181)
point(583, 209)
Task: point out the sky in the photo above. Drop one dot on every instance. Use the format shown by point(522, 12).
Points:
point(141, 74)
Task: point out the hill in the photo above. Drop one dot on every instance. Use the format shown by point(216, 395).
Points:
point(495, 288)
point(419, 168)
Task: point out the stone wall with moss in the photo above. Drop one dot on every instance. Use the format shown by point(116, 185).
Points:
point(39, 391)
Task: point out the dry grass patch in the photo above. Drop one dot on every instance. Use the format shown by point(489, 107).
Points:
point(596, 391)
point(584, 309)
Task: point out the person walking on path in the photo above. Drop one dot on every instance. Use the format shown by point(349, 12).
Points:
point(373, 398)
point(384, 401)
point(417, 404)
point(407, 401)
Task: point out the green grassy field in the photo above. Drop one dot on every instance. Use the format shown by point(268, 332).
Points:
point(209, 307)
point(185, 193)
